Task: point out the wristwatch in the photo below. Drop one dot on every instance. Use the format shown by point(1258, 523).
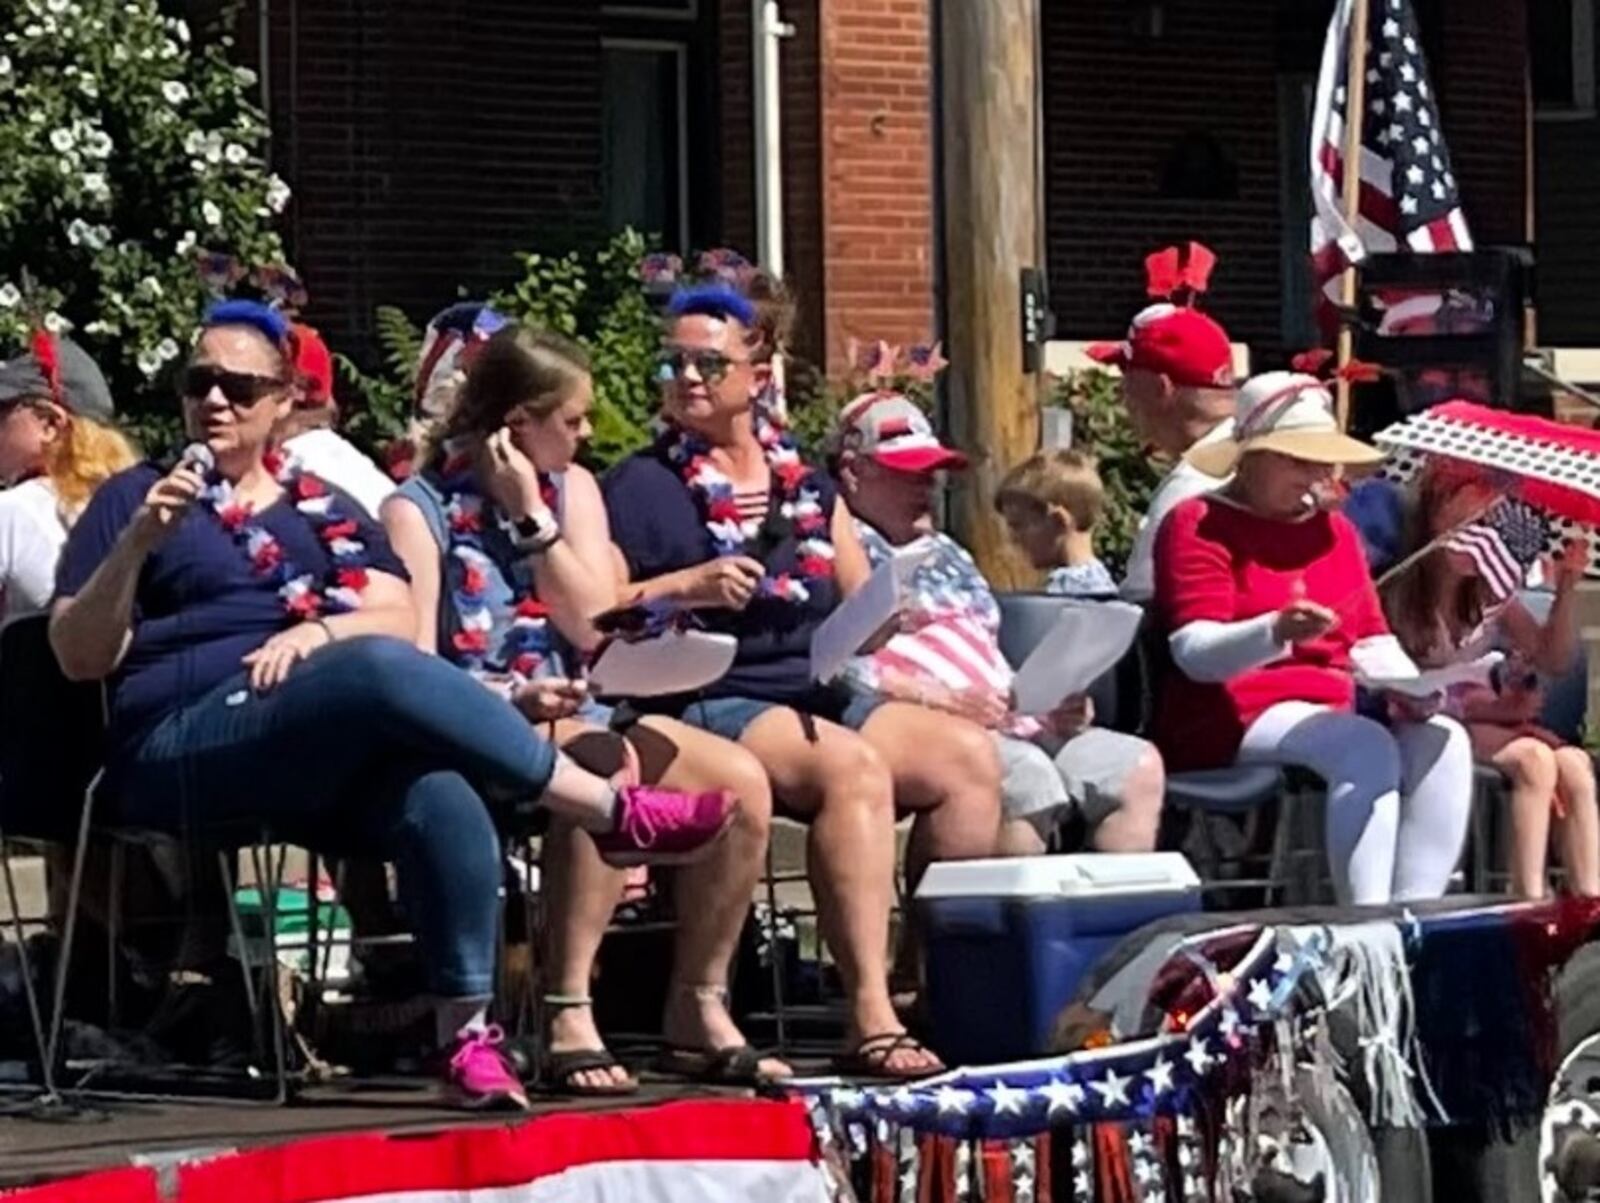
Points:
point(536, 534)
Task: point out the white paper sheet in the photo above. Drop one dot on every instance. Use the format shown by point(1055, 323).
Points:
point(866, 612)
point(1086, 641)
point(1381, 664)
point(676, 662)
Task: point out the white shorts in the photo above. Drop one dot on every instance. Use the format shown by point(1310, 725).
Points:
point(1087, 775)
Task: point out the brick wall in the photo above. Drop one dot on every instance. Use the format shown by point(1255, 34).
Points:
point(427, 143)
point(1114, 105)
point(1481, 46)
point(877, 171)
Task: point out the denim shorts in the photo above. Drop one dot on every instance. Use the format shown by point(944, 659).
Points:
point(731, 717)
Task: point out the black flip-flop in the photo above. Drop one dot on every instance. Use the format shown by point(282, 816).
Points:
point(870, 1058)
point(736, 1065)
point(557, 1071)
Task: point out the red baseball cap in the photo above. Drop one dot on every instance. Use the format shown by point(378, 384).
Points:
point(1180, 343)
point(313, 364)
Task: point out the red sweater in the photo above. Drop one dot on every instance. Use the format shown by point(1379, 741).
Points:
point(1216, 562)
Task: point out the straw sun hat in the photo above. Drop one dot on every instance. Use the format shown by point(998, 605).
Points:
point(1288, 413)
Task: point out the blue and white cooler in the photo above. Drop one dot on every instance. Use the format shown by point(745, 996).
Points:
point(1009, 941)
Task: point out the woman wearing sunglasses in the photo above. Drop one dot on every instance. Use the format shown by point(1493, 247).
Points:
point(256, 632)
point(57, 446)
point(510, 556)
point(721, 515)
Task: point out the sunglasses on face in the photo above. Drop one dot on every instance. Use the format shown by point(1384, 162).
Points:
point(243, 390)
point(711, 366)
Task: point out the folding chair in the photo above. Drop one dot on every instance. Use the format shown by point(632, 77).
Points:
point(53, 800)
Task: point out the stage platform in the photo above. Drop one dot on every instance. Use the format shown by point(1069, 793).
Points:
point(111, 1135)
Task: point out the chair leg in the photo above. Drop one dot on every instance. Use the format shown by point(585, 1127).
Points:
point(69, 930)
point(114, 929)
point(237, 926)
point(35, 1017)
point(779, 1025)
point(272, 977)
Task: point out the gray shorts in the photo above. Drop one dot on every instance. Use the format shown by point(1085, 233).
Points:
point(1086, 775)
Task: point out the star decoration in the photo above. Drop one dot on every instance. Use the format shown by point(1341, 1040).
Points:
point(1081, 1184)
point(1080, 1155)
point(1284, 963)
point(1424, 118)
point(1198, 1056)
point(903, 1100)
point(1422, 89)
point(1420, 145)
point(1185, 1126)
point(951, 1100)
point(1112, 1089)
point(1438, 190)
point(1379, 107)
point(1396, 131)
point(1063, 1096)
point(1408, 73)
point(1402, 102)
point(1006, 1100)
point(1391, 29)
point(1260, 994)
point(1160, 1075)
point(1139, 1145)
point(1386, 60)
point(1410, 43)
point(1148, 1173)
point(845, 1099)
point(1415, 174)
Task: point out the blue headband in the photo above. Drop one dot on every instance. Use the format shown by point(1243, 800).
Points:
point(712, 300)
point(263, 319)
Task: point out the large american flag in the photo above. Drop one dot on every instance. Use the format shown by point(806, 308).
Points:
point(1409, 197)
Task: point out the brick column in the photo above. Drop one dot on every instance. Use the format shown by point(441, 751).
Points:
point(877, 171)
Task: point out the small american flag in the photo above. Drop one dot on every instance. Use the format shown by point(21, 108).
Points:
point(1504, 545)
point(1409, 197)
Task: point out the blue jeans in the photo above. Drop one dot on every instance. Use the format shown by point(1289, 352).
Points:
point(369, 747)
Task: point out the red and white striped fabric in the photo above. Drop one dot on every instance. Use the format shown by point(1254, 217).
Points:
point(694, 1152)
point(956, 651)
point(1409, 199)
point(1488, 552)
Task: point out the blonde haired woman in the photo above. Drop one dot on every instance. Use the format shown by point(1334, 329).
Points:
point(57, 445)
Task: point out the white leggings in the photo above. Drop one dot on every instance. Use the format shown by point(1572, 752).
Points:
point(1398, 800)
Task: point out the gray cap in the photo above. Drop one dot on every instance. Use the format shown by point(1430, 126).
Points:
point(83, 388)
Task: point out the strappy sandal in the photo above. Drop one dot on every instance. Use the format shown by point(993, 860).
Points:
point(870, 1058)
point(558, 1071)
point(735, 1065)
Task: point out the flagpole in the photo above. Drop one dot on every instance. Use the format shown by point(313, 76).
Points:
point(1354, 122)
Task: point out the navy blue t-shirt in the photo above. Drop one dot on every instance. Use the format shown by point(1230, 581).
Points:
point(658, 525)
point(199, 608)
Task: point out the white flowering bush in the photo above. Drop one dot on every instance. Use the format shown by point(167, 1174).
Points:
point(133, 186)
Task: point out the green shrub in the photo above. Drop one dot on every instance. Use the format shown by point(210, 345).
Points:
point(130, 153)
point(1100, 426)
point(594, 297)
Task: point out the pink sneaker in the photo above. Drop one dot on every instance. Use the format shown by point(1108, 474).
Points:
point(661, 827)
point(480, 1078)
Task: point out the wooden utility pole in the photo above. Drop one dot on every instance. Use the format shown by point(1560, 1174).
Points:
point(992, 227)
point(1355, 122)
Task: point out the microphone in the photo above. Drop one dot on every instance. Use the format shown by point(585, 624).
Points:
point(197, 457)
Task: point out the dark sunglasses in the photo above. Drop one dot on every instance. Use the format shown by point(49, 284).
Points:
point(242, 389)
point(710, 366)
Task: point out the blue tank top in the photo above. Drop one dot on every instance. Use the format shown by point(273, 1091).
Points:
point(509, 575)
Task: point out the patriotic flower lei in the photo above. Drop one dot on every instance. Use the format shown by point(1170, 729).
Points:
point(798, 503)
point(529, 640)
point(303, 595)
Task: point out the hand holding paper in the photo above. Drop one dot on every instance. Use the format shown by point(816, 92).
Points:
point(678, 661)
point(867, 612)
point(1086, 641)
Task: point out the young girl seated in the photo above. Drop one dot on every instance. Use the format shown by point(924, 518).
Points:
point(1460, 602)
point(1052, 503)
